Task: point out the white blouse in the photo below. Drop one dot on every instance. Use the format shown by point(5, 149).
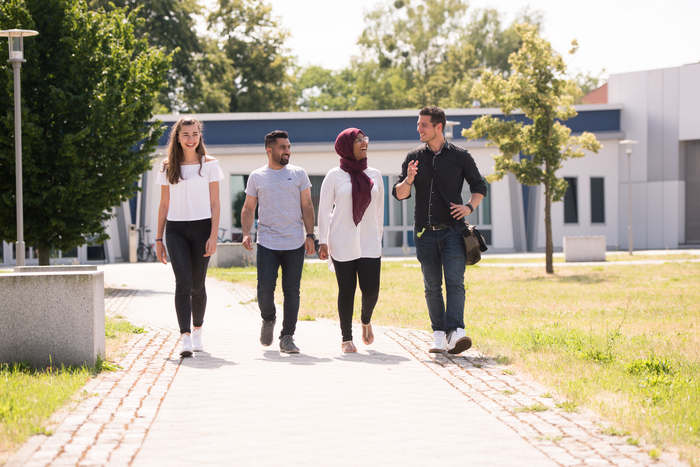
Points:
point(347, 241)
point(189, 198)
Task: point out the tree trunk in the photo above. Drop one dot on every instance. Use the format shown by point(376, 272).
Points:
point(549, 246)
point(43, 254)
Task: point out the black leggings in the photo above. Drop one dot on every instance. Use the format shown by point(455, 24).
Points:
point(186, 242)
point(347, 273)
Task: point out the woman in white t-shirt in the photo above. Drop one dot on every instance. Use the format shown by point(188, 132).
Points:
point(350, 224)
point(189, 205)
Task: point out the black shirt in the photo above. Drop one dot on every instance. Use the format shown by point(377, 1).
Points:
point(453, 165)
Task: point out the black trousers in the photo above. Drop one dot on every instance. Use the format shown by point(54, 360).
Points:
point(186, 242)
point(347, 273)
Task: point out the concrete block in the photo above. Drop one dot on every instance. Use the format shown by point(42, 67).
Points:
point(53, 318)
point(233, 254)
point(57, 268)
point(584, 249)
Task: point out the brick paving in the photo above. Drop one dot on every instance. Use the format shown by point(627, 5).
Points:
point(110, 424)
point(134, 416)
point(568, 438)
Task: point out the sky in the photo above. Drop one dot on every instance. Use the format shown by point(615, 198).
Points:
point(617, 36)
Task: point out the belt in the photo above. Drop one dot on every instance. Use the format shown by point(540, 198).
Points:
point(439, 226)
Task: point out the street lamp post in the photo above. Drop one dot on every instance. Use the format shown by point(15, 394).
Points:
point(628, 150)
point(16, 45)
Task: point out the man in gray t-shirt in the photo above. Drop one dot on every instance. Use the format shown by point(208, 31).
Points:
point(283, 193)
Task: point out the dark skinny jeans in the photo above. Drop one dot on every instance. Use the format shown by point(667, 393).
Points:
point(292, 264)
point(186, 243)
point(347, 273)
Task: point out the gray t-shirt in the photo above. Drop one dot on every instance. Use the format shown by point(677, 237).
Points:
point(280, 222)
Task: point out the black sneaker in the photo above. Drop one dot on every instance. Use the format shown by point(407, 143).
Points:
point(287, 345)
point(266, 332)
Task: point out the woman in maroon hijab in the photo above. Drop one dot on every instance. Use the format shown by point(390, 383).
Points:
point(350, 224)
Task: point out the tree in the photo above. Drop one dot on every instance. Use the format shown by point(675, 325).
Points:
point(168, 24)
point(538, 87)
point(587, 82)
point(254, 45)
point(322, 89)
point(412, 39)
point(88, 91)
point(416, 53)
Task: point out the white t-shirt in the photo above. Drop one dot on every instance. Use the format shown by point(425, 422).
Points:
point(189, 198)
point(347, 241)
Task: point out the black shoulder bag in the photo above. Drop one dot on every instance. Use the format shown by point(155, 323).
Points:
point(473, 240)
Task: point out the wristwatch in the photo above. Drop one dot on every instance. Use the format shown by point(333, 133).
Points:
point(311, 236)
point(470, 207)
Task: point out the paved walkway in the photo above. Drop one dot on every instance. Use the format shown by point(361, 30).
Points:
point(242, 404)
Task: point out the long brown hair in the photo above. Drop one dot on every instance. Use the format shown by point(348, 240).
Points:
point(175, 154)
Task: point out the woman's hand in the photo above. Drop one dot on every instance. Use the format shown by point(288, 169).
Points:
point(323, 251)
point(211, 246)
point(160, 253)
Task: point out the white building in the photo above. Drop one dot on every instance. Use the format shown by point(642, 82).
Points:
point(659, 108)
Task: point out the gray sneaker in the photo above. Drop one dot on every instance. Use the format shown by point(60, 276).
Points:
point(287, 345)
point(266, 332)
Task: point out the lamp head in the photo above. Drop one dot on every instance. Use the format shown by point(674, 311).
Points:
point(15, 41)
point(449, 133)
point(629, 143)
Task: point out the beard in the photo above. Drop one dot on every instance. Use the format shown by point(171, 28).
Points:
point(278, 158)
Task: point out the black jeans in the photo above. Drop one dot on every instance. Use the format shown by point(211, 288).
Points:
point(186, 242)
point(292, 263)
point(367, 270)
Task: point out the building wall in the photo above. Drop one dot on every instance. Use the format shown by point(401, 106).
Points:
point(661, 110)
point(603, 164)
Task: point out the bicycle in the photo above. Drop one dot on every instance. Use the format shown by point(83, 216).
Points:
point(221, 238)
point(146, 251)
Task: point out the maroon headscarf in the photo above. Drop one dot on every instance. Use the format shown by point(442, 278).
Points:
point(361, 183)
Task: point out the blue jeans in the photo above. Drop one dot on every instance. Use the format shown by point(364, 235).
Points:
point(186, 242)
point(441, 251)
point(269, 262)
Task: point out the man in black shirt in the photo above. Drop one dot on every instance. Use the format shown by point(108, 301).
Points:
point(438, 170)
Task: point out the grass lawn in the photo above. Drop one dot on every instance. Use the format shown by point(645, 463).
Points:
point(622, 340)
point(29, 396)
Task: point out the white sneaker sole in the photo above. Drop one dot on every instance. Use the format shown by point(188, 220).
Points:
point(433, 350)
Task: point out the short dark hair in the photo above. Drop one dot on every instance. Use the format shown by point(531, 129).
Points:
point(437, 115)
point(271, 138)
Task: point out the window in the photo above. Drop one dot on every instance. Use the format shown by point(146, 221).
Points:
point(482, 213)
point(597, 200)
point(316, 182)
point(385, 180)
point(238, 184)
point(571, 202)
point(398, 219)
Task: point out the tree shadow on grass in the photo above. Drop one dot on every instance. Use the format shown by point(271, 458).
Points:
point(575, 279)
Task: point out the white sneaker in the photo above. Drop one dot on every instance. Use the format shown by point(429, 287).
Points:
point(197, 345)
point(186, 350)
point(458, 341)
point(440, 344)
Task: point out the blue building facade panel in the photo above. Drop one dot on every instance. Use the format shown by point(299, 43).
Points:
point(325, 130)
